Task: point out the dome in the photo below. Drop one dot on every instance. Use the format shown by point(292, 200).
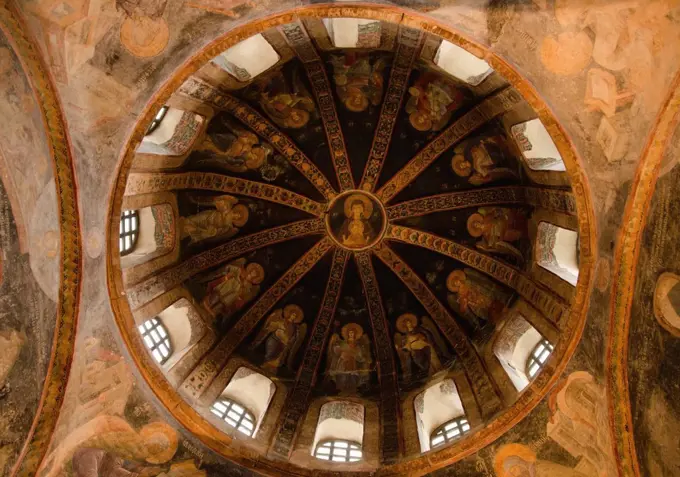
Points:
point(351, 239)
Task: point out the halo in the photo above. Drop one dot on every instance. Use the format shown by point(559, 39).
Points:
point(356, 102)
point(368, 205)
point(358, 330)
point(405, 318)
point(420, 121)
point(461, 166)
point(161, 441)
point(512, 450)
point(243, 212)
point(297, 118)
point(144, 37)
point(290, 309)
point(255, 159)
point(456, 275)
point(473, 219)
point(258, 270)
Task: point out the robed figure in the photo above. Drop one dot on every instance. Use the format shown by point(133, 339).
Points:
point(419, 346)
point(282, 335)
point(233, 148)
point(349, 358)
point(475, 297)
point(236, 284)
point(223, 221)
point(482, 161)
point(498, 228)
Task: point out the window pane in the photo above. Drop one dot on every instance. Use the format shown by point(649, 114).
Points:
point(342, 445)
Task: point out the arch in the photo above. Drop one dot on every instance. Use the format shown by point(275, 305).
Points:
point(557, 251)
point(538, 149)
point(174, 134)
point(340, 421)
point(667, 302)
point(514, 346)
point(437, 405)
point(248, 59)
point(462, 64)
point(353, 32)
point(574, 322)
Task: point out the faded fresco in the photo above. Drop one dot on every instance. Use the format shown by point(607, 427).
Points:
point(602, 67)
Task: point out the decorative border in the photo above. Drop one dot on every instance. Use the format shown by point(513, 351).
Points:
point(299, 40)
point(154, 182)
point(51, 400)
point(297, 401)
point(623, 287)
point(408, 49)
point(574, 323)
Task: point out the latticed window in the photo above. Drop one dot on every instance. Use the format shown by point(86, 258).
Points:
point(129, 231)
point(156, 338)
point(157, 120)
point(449, 431)
point(538, 357)
point(338, 450)
point(234, 414)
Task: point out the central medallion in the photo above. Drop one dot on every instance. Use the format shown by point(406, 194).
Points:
point(356, 220)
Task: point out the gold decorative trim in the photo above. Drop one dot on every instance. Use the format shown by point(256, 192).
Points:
point(299, 40)
point(485, 111)
point(154, 182)
point(409, 44)
point(624, 269)
point(574, 323)
point(49, 407)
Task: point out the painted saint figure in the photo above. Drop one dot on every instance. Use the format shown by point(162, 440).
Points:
point(223, 221)
point(498, 227)
point(356, 232)
point(288, 103)
point(235, 148)
point(236, 285)
point(349, 358)
point(357, 82)
point(481, 161)
point(475, 297)
point(432, 102)
point(282, 334)
point(419, 346)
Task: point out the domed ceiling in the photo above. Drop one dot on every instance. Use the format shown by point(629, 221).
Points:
point(352, 223)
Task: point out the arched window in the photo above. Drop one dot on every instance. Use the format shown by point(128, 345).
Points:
point(236, 415)
point(156, 338)
point(667, 302)
point(517, 346)
point(538, 149)
point(436, 405)
point(129, 228)
point(338, 450)
point(251, 393)
point(247, 59)
point(157, 120)
point(339, 435)
point(462, 64)
point(538, 357)
point(449, 431)
point(557, 251)
point(353, 32)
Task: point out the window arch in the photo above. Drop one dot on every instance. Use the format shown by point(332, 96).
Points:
point(157, 120)
point(435, 406)
point(667, 302)
point(538, 357)
point(462, 64)
point(338, 450)
point(353, 32)
point(557, 251)
point(234, 414)
point(339, 433)
point(129, 231)
point(248, 59)
point(156, 339)
point(538, 149)
point(449, 431)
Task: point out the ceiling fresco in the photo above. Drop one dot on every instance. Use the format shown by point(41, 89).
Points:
point(342, 237)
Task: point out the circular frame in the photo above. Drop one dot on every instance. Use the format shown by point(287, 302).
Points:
point(375, 201)
point(571, 328)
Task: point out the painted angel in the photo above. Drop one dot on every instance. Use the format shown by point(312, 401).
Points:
point(234, 148)
point(419, 346)
point(282, 335)
point(482, 161)
point(288, 103)
point(223, 221)
point(357, 82)
point(231, 287)
point(476, 297)
point(498, 227)
point(349, 358)
point(431, 103)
